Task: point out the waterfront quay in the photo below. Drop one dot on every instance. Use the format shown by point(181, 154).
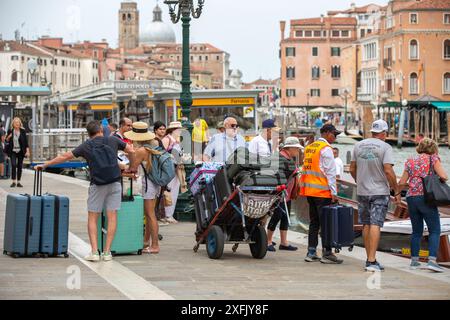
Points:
point(177, 273)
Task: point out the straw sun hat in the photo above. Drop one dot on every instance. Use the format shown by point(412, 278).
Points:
point(175, 125)
point(140, 132)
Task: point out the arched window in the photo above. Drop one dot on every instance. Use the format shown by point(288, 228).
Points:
point(124, 17)
point(447, 83)
point(14, 76)
point(315, 72)
point(447, 49)
point(336, 72)
point(413, 50)
point(413, 83)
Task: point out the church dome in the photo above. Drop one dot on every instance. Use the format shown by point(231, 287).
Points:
point(157, 31)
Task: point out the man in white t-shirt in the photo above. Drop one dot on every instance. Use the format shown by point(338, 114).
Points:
point(339, 164)
point(262, 145)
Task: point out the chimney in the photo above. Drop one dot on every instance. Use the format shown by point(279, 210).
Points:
point(353, 6)
point(321, 18)
point(282, 29)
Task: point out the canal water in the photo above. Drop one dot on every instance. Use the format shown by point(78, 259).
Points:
point(400, 156)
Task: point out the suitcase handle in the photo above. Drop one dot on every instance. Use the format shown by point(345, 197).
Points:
point(126, 197)
point(37, 185)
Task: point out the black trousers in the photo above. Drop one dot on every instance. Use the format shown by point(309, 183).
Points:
point(16, 165)
point(315, 208)
point(280, 215)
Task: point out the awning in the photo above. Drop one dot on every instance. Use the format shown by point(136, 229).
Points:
point(25, 91)
point(442, 106)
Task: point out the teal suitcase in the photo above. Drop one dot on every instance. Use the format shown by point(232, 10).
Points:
point(129, 236)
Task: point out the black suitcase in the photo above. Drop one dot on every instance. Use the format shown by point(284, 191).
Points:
point(222, 186)
point(337, 227)
point(205, 206)
point(260, 179)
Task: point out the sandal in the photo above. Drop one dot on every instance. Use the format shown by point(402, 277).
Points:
point(146, 250)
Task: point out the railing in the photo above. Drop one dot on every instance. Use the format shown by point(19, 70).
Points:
point(387, 63)
point(50, 145)
point(367, 97)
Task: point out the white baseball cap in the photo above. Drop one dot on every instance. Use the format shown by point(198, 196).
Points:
point(379, 126)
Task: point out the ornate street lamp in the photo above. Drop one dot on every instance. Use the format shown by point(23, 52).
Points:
point(183, 9)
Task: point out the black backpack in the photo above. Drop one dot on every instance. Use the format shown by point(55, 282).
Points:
point(103, 163)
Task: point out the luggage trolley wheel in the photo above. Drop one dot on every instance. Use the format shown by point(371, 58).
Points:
point(259, 247)
point(235, 247)
point(160, 237)
point(350, 248)
point(5, 252)
point(139, 252)
point(66, 255)
point(215, 242)
point(15, 255)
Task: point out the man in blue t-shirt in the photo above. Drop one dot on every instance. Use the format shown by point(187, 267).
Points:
point(106, 195)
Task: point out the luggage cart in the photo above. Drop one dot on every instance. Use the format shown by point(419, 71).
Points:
point(238, 221)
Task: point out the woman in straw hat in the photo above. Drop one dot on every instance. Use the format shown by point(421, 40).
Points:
point(172, 144)
point(145, 141)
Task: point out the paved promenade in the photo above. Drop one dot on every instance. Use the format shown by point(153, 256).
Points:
point(179, 273)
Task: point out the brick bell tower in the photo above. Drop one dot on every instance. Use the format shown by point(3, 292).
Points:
point(128, 25)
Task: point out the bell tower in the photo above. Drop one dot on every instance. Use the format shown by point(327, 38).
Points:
point(128, 25)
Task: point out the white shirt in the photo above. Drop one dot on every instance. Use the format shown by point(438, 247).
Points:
point(339, 167)
point(260, 146)
point(328, 166)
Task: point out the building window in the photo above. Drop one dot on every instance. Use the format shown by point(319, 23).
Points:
point(206, 58)
point(447, 49)
point(299, 33)
point(447, 83)
point(315, 51)
point(363, 33)
point(308, 33)
point(413, 50)
point(315, 72)
point(218, 58)
point(335, 52)
point(14, 58)
point(315, 92)
point(336, 72)
point(14, 76)
point(290, 52)
point(335, 92)
point(290, 93)
point(317, 33)
point(345, 33)
point(200, 58)
point(324, 33)
point(446, 18)
point(335, 33)
point(413, 18)
point(413, 84)
point(290, 72)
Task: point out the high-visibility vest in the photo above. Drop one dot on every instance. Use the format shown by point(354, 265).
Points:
point(313, 183)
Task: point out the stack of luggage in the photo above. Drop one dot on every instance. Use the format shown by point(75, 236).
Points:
point(36, 225)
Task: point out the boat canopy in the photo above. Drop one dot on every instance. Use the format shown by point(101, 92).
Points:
point(442, 106)
point(25, 91)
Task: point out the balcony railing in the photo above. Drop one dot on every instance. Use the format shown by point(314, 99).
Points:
point(366, 97)
point(387, 63)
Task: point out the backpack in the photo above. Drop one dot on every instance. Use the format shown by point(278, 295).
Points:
point(103, 163)
point(163, 167)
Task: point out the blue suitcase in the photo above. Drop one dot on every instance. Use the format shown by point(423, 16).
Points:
point(22, 225)
point(54, 226)
point(336, 224)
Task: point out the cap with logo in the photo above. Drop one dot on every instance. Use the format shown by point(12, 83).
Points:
point(269, 124)
point(379, 126)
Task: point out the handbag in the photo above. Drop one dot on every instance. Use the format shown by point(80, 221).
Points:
point(167, 199)
point(436, 192)
point(293, 187)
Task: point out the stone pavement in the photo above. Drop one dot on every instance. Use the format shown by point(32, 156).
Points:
point(179, 273)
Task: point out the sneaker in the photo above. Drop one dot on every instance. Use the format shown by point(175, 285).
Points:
point(171, 220)
point(163, 222)
point(331, 259)
point(312, 257)
point(19, 185)
point(13, 185)
point(107, 256)
point(433, 266)
point(415, 265)
point(93, 257)
point(271, 248)
point(379, 264)
point(373, 267)
point(288, 248)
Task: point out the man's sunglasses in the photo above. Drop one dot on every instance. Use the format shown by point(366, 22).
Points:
point(234, 126)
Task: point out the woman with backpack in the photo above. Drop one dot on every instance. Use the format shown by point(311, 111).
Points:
point(146, 145)
point(172, 144)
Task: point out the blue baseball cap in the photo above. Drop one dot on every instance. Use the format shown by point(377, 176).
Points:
point(269, 124)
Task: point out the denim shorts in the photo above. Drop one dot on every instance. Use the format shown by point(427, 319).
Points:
point(107, 197)
point(373, 210)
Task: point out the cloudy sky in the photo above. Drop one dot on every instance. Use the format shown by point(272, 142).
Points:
point(247, 29)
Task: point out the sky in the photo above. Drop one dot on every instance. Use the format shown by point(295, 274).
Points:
point(247, 29)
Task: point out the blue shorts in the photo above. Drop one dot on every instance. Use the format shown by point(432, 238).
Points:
point(373, 209)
